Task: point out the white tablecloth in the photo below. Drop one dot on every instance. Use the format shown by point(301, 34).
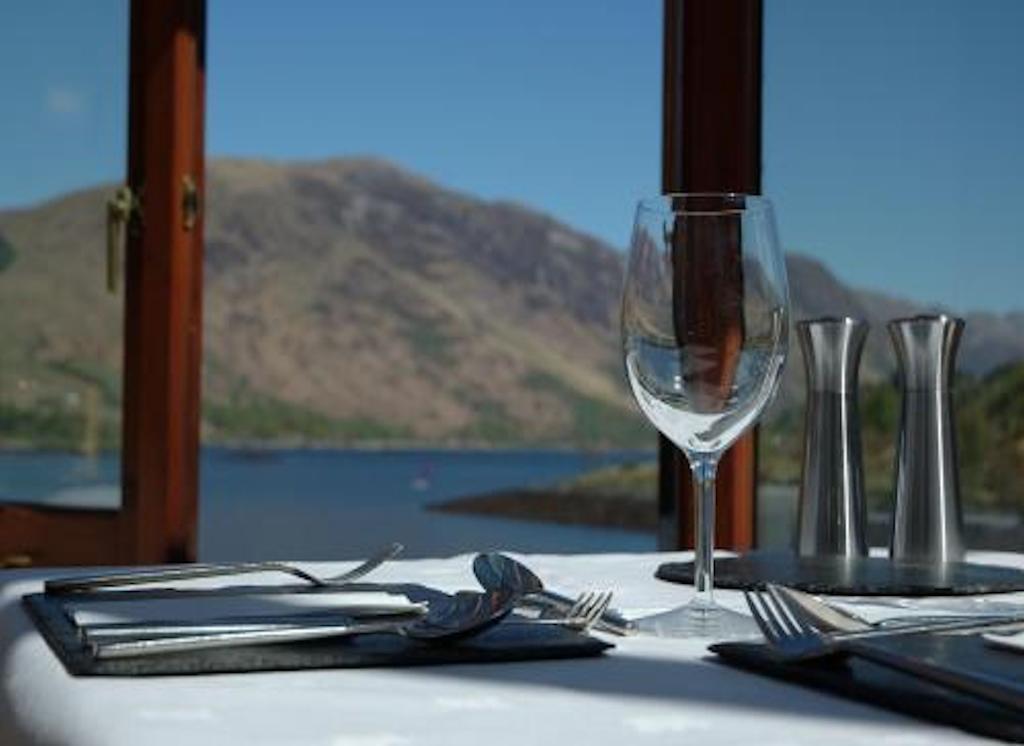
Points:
point(646, 691)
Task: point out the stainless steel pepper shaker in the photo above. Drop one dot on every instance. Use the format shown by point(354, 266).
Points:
point(928, 523)
point(832, 513)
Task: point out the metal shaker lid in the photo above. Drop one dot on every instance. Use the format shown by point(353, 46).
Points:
point(832, 348)
point(926, 348)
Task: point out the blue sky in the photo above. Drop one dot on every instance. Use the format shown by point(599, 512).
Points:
point(892, 129)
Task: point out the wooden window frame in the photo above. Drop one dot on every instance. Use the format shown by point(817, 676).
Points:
point(163, 317)
point(711, 142)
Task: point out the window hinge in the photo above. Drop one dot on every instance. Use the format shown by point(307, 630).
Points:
point(189, 202)
point(123, 208)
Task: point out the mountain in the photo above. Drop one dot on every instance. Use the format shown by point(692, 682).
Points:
point(349, 300)
point(989, 340)
point(345, 300)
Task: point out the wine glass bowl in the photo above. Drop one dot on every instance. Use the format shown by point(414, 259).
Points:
point(705, 319)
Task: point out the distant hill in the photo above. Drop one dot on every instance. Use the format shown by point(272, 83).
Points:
point(351, 301)
point(989, 342)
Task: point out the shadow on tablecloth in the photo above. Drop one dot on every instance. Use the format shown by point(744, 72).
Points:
point(694, 682)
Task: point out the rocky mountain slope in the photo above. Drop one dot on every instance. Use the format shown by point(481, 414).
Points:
point(349, 300)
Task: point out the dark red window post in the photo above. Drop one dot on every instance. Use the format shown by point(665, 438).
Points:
point(711, 142)
point(163, 282)
point(163, 316)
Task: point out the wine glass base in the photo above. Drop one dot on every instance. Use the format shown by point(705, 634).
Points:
point(700, 621)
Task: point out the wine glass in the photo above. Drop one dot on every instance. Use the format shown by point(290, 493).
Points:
point(705, 321)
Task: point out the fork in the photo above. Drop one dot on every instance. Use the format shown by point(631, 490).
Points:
point(783, 597)
point(585, 613)
point(793, 640)
point(88, 583)
point(829, 618)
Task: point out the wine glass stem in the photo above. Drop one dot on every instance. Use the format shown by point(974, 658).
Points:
point(704, 469)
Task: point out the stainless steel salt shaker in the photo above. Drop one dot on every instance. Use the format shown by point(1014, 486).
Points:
point(832, 516)
point(928, 523)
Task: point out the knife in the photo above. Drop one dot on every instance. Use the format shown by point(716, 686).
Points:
point(828, 618)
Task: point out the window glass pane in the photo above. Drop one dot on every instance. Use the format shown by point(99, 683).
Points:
point(412, 274)
point(62, 153)
point(892, 150)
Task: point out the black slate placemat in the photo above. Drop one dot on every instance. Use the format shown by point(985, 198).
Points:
point(858, 576)
point(505, 642)
point(869, 682)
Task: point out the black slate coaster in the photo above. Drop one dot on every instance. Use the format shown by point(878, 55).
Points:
point(869, 682)
point(505, 642)
point(861, 576)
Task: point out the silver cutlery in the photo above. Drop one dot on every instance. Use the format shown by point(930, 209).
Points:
point(793, 640)
point(115, 630)
point(587, 609)
point(459, 616)
point(235, 637)
point(496, 571)
point(585, 613)
point(828, 618)
point(88, 583)
point(466, 614)
point(959, 624)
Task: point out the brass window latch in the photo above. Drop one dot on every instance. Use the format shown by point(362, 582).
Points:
point(16, 560)
point(122, 208)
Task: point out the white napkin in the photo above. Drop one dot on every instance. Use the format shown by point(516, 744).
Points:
point(208, 608)
point(875, 609)
point(1013, 641)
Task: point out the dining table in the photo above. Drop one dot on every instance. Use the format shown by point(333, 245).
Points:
point(644, 690)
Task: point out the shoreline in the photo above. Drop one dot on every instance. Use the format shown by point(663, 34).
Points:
point(569, 508)
point(260, 447)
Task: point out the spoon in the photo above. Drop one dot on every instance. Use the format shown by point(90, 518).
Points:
point(496, 572)
point(448, 619)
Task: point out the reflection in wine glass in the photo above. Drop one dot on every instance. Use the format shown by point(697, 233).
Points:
point(705, 319)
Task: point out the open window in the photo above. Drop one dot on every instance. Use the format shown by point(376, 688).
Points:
point(153, 408)
point(95, 358)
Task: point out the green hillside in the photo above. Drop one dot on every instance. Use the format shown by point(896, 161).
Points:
point(990, 438)
point(351, 302)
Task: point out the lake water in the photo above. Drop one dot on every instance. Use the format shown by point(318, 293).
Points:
point(340, 504)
